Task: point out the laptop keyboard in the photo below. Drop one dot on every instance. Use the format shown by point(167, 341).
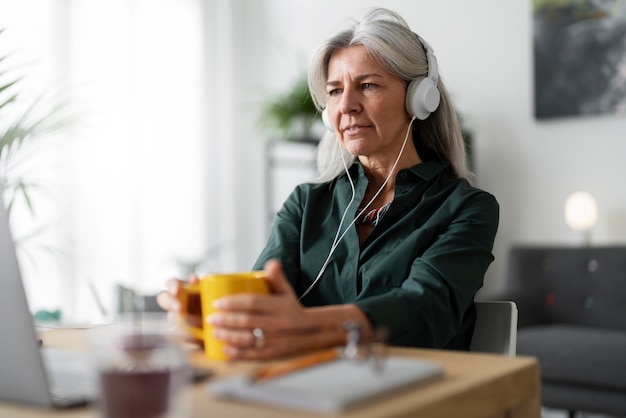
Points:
point(67, 385)
point(71, 376)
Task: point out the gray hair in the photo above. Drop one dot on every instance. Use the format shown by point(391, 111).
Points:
point(388, 38)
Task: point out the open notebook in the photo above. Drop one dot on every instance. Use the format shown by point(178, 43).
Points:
point(329, 387)
point(28, 373)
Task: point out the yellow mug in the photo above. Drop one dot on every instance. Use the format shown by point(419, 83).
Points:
point(198, 298)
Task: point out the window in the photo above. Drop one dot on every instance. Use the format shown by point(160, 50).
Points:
point(121, 186)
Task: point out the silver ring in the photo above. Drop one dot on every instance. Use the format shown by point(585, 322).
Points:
point(259, 338)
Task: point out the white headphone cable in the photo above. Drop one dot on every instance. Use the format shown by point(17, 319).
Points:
point(337, 241)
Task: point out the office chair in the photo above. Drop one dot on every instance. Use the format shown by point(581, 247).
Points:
point(496, 327)
point(128, 300)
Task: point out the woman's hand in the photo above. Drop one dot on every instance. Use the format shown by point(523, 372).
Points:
point(281, 324)
point(286, 327)
point(171, 301)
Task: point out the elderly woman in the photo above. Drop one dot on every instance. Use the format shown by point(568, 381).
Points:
point(394, 235)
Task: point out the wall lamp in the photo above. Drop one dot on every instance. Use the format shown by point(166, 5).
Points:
point(581, 213)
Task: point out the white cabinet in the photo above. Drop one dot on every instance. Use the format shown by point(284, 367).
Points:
point(289, 163)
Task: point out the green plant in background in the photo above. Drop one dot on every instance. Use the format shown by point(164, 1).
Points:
point(292, 113)
point(22, 124)
point(574, 9)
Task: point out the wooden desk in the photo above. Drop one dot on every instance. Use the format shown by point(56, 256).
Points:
point(474, 386)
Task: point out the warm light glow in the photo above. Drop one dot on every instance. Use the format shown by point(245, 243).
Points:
point(581, 211)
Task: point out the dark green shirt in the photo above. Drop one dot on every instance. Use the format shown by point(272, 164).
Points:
point(418, 271)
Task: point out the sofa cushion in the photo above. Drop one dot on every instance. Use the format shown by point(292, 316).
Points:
point(577, 355)
point(583, 398)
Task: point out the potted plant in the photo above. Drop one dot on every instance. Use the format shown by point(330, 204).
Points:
point(292, 113)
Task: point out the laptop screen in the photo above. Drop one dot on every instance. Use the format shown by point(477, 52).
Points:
point(22, 374)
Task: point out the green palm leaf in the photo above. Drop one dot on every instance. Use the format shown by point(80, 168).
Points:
point(23, 122)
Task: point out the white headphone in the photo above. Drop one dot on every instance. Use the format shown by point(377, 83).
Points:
point(422, 94)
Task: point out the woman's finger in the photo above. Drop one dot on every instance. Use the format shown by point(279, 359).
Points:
point(276, 278)
point(170, 298)
point(243, 346)
point(168, 301)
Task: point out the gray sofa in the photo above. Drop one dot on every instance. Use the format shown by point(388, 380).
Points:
point(572, 317)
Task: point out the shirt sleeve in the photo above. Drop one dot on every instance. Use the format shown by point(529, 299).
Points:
point(284, 239)
point(433, 306)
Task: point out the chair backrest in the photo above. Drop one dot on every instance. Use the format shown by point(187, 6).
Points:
point(496, 327)
point(128, 300)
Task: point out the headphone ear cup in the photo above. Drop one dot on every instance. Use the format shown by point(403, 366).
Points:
point(326, 120)
point(422, 98)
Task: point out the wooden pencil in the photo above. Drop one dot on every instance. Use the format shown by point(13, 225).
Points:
point(295, 364)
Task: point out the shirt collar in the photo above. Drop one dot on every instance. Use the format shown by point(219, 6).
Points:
point(429, 169)
point(426, 169)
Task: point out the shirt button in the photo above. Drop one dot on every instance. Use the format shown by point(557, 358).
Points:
point(403, 175)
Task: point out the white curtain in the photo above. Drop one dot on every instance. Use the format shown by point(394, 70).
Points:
point(125, 186)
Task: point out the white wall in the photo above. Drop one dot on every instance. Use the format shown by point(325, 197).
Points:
point(484, 50)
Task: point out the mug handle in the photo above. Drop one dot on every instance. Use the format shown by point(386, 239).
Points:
point(185, 297)
point(195, 332)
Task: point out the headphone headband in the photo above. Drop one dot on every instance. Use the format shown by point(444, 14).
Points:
point(423, 96)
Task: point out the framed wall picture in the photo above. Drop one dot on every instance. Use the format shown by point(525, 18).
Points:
point(579, 57)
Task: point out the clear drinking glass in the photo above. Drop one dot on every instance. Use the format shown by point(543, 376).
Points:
point(143, 370)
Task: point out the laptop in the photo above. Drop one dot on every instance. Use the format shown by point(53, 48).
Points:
point(29, 373)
